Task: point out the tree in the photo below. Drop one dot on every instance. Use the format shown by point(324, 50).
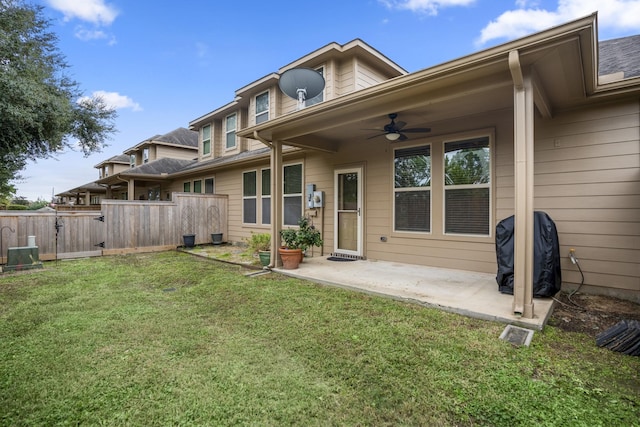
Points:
point(42, 110)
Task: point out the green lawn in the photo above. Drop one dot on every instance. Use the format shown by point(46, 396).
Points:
point(171, 339)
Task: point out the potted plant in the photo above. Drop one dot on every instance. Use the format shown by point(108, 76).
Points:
point(260, 244)
point(296, 241)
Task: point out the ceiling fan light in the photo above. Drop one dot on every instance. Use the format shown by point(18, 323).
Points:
point(392, 136)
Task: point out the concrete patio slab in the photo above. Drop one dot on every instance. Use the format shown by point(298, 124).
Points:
point(464, 292)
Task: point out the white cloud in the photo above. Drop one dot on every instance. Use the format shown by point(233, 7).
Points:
point(617, 15)
point(115, 100)
point(94, 11)
point(430, 7)
point(85, 34)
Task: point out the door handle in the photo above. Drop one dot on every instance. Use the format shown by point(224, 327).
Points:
point(358, 211)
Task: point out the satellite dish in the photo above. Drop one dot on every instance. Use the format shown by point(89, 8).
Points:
point(301, 84)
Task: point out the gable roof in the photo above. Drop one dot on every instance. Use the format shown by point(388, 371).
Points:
point(182, 137)
point(165, 165)
point(620, 55)
point(120, 158)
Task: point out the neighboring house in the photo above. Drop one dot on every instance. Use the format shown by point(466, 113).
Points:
point(90, 194)
point(93, 193)
point(149, 164)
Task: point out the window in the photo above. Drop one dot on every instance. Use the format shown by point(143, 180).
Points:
point(106, 171)
point(208, 186)
point(197, 186)
point(132, 160)
point(320, 96)
point(467, 186)
point(206, 140)
point(266, 196)
point(262, 107)
point(186, 187)
point(145, 155)
point(95, 200)
point(292, 193)
point(153, 193)
point(249, 197)
point(412, 189)
point(230, 130)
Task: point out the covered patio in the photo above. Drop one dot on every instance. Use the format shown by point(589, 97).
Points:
point(468, 293)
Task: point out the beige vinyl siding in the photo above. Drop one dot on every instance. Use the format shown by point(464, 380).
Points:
point(588, 179)
point(367, 76)
point(345, 78)
point(163, 151)
point(229, 182)
point(318, 169)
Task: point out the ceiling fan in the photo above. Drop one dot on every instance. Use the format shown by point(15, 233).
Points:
point(396, 131)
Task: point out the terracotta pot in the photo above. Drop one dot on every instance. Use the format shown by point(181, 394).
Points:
point(290, 258)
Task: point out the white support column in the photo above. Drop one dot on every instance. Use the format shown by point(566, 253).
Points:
point(523, 186)
point(276, 201)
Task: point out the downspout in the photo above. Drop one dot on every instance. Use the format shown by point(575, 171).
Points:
point(523, 110)
point(275, 163)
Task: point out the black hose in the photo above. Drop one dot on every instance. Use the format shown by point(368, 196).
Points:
point(578, 288)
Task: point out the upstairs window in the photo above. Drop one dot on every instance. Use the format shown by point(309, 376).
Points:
point(262, 107)
point(132, 160)
point(412, 189)
point(145, 155)
point(230, 130)
point(206, 140)
point(320, 96)
point(467, 186)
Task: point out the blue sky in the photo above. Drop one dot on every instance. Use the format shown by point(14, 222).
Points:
point(163, 64)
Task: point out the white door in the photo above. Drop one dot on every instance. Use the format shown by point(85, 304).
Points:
point(348, 214)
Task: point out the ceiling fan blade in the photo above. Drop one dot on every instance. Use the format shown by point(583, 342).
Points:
point(417, 130)
point(403, 137)
point(400, 125)
point(375, 136)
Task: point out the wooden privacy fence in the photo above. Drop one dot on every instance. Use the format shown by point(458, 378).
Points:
point(78, 233)
point(120, 226)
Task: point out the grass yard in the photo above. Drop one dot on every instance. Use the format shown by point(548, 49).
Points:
point(171, 339)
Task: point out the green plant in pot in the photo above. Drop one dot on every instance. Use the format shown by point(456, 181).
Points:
point(260, 244)
point(296, 241)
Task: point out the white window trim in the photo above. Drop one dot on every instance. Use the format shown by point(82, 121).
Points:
point(203, 141)
point(251, 197)
point(491, 185)
point(301, 194)
point(227, 132)
point(261, 196)
point(261, 113)
point(407, 189)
